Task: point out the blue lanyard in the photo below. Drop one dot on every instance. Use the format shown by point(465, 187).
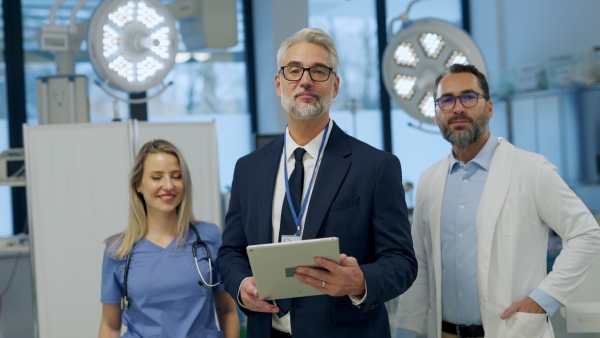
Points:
point(298, 217)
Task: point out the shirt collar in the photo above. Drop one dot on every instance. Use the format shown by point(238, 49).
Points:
point(483, 159)
point(312, 148)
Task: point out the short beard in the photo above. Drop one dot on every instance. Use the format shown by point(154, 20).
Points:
point(461, 138)
point(306, 112)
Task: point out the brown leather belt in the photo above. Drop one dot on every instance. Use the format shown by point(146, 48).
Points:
point(463, 331)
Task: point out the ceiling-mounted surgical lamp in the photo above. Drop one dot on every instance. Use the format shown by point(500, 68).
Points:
point(132, 43)
point(417, 54)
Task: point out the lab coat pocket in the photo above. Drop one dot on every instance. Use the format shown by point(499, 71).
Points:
point(526, 325)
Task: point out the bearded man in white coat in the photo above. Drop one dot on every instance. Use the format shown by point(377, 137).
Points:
point(480, 229)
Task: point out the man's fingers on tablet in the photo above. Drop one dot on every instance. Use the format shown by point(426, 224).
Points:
point(327, 264)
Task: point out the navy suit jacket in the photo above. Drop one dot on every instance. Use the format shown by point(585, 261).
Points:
point(357, 197)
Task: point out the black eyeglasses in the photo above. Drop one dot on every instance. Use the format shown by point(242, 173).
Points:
point(317, 73)
point(468, 100)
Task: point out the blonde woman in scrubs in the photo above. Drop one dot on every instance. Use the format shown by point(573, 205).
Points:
point(163, 295)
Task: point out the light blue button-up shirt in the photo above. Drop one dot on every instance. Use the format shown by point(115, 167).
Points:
point(464, 187)
point(458, 234)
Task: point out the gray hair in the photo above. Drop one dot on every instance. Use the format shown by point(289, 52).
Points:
point(311, 35)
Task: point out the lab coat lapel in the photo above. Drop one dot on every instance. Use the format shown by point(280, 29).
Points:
point(332, 172)
point(268, 166)
point(436, 196)
point(490, 205)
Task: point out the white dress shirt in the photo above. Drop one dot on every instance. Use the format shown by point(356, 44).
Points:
point(310, 158)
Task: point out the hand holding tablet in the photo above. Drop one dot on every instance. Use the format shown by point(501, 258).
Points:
point(274, 265)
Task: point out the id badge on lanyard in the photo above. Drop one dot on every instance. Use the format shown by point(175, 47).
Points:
point(298, 217)
point(290, 238)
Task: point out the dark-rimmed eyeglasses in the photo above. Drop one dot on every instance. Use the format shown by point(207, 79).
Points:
point(317, 73)
point(468, 100)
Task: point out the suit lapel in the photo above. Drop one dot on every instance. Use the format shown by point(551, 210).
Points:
point(268, 165)
point(334, 166)
point(490, 205)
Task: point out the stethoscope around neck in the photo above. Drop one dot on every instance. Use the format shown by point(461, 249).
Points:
point(125, 301)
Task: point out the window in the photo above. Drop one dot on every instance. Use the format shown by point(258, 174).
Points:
point(353, 27)
point(42, 63)
point(6, 226)
point(211, 86)
point(206, 86)
point(417, 149)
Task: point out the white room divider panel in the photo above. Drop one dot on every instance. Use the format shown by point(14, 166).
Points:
point(77, 178)
point(77, 196)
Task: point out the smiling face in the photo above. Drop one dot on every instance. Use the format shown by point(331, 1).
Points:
point(463, 126)
point(161, 184)
point(306, 99)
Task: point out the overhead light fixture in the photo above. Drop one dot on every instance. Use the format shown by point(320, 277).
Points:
point(404, 86)
point(417, 54)
point(405, 55)
point(432, 44)
point(457, 57)
point(427, 105)
point(132, 44)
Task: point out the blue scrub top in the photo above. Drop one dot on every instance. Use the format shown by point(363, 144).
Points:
point(166, 300)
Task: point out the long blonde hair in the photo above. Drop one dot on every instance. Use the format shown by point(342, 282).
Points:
point(122, 244)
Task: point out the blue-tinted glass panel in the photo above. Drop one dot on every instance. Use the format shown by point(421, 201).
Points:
point(353, 27)
point(418, 145)
point(209, 86)
point(6, 222)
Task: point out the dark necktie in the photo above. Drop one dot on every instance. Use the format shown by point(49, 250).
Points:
point(287, 225)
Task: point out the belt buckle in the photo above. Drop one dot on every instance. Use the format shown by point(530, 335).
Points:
point(458, 327)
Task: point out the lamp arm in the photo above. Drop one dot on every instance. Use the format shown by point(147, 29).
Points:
point(72, 25)
point(53, 10)
point(390, 32)
point(404, 17)
point(104, 88)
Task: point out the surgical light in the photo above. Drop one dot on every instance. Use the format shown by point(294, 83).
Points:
point(404, 85)
point(405, 55)
point(457, 57)
point(432, 44)
point(416, 55)
point(427, 105)
point(132, 44)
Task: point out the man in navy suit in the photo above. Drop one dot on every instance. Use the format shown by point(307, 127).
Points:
point(350, 190)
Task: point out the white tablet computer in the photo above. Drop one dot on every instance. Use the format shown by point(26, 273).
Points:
point(274, 265)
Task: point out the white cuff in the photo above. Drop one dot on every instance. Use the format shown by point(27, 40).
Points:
point(239, 300)
point(356, 301)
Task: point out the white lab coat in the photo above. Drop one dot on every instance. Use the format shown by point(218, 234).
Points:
point(523, 197)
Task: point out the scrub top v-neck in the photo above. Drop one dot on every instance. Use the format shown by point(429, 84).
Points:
point(166, 300)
